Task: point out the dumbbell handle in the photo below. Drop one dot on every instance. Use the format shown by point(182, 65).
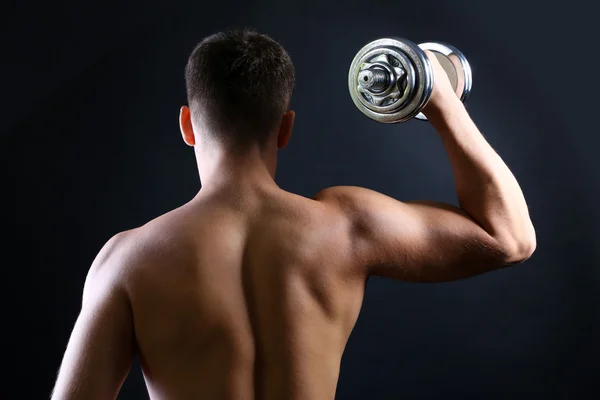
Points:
point(374, 79)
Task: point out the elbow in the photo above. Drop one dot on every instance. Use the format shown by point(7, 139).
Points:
point(523, 252)
point(518, 250)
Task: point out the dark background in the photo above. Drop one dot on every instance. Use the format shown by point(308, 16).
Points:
point(90, 146)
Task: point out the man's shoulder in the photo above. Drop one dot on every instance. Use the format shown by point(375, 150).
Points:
point(142, 246)
point(118, 254)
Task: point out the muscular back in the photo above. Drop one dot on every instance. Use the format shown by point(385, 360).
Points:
point(246, 298)
point(250, 293)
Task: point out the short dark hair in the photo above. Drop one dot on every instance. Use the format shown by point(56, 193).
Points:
point(240, 83)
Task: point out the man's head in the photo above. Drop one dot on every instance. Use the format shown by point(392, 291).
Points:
point(239, 85)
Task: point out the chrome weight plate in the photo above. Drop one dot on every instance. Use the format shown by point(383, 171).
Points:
point(390, 80)
point(455, 65)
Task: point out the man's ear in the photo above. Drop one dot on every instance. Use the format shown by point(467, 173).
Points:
point(185, 124)
point(285, 129)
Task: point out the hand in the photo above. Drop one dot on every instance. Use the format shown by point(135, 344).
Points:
point(442, 93)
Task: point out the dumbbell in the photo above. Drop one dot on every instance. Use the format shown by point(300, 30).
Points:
point(391, 79)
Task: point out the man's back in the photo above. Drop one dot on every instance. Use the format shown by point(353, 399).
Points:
point(244, 297)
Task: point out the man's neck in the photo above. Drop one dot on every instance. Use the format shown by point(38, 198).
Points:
point(219, 169)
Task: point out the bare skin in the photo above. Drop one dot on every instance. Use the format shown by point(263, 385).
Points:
point(251, 292)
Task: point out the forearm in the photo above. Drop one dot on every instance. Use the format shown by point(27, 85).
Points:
point(486, 188)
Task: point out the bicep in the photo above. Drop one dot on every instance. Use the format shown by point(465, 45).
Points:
point(100, 349)
point(418, 241)
point(429, 242)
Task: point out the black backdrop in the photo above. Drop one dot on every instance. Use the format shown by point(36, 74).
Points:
point(89, 146)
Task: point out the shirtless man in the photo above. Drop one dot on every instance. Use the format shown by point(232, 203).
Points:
point(251, 292)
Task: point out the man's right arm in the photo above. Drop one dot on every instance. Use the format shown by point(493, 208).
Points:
point(430, 241)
